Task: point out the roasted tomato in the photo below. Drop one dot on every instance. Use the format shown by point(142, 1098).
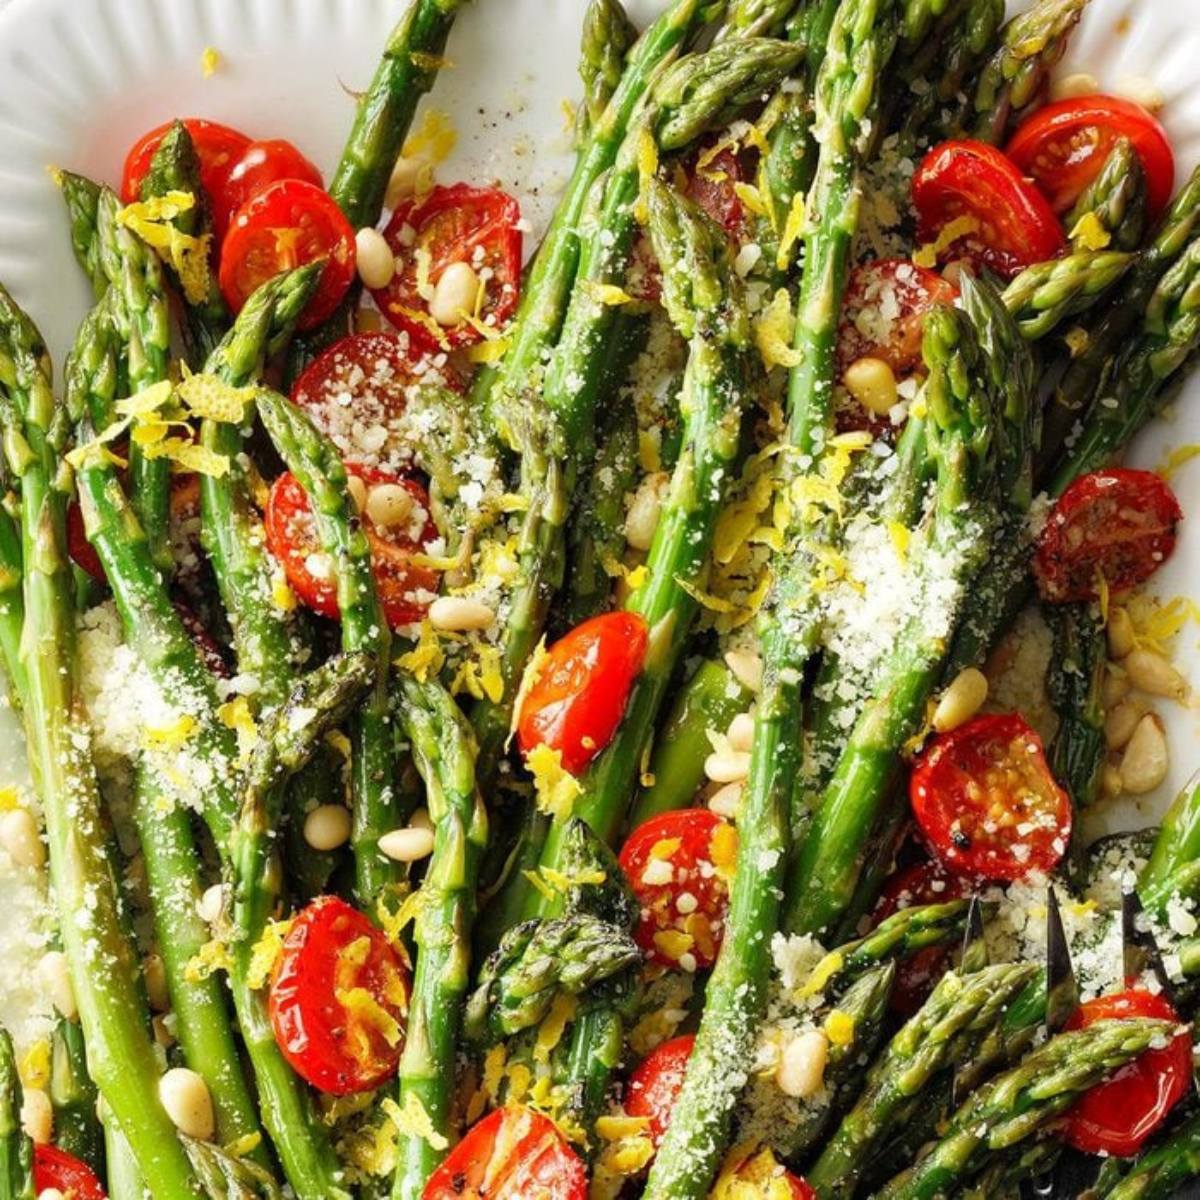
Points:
point(1117, 525)
point(287, 225)
point(1064, 145)
point(679, 865)
point(514, 1153)
point(217, 146)
point(82, 553)
point(921, 883)
point(1117, 1116)
point(405, 588)
point(578, 698)
point(478, 227)
point(338, 996)
point(55, 1168)
point(757, 1170)
point(1007, 224)
point(258, 166)
point(986, 801)
point(654, 1085)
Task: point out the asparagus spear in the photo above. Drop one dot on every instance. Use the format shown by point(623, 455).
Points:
point(12, 607)
point(102, 967)
point(16, 1148)
point(1020, 1102)
point(1043, 296)
point(608, 34)
point(1073, 682)
point(1160, 1173)
point(1115, 201)
point(755, 18)
point(1176, 848)
point(73, 1095)
point(444, 752)
point(82, 198)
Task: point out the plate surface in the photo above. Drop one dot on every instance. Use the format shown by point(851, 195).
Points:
point(80, 79)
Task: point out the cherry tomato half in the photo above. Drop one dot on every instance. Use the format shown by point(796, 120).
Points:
point(1014, 224)
point(758, 1169)
point(217, 146)
point(926, 882)
point(404, 587)
point(256, 168)
point(655, 1084)
point(1117, 1116)
point(986, 802)
point(287, 225)
point(82, 552)
point(1117, 524)
point(55, 1168)
point(338, 996)
point(478, 226)
point(678, 865)
point(1064, 145)
point(514, 1153)
point(579, 697)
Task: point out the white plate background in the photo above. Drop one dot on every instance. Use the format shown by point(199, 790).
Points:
point(80, 79)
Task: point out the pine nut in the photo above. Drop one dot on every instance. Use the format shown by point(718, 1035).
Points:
point(961, 700)
point(747, 668)
point(403, 181)
point(368, 320)
point(459, 614)
point(1071, 87)
point(211, 904)
point(187, 1101)
point(55, 980)
point(740, 734)
point(37, 1116)
point(642, 518)
point(327, 827)
point(729, 767)
point(407, 845)
point(357, 490)
point(20, 838)
point(801, 1068)
point(389, 504)
point(154, 973)
point(421, 819)
point(1145, 763)
point(1114, 688)
point(1150, 672)
point(1120, 722)
point(1110, 781)
point(1141, 91)
point(871, 382)
point(1119, 633)
point(161, 1024)
point(454, 294)
point(374, 258)
point(726, 801)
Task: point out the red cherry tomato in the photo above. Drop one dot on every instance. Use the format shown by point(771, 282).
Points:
point(1117, 524)
point(1117, 1116)
point(82, 553)
point(217, 146)
point(1064, 145)
point(986, 801)
point(678, 865)
point(288, 224)
point(454, 224)
point(55, 1168)
point(654, 1086)
point(335, 988)
point(255, 169)
point(1014, 224)
point(514, 1153)
point(402, 585)
point(924, 882)
point(579, 697)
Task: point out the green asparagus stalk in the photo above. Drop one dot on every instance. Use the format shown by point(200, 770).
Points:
point(1176, 847)
point(1006, 1175)
point(1019, 1103)
point(1073, 683)
point(82, 198)
point(608, 34)
point(102, 966)
point(444, 753)
point(1160, 1172)
point(1043, 296)
point(124, 1179)
point(226, 1177)
point(73, 1095)
point(1114, 203)
point(12, 607)
point(755, 18)
point(16, 1148)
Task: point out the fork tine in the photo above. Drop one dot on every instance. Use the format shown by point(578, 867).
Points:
point(1062, 989)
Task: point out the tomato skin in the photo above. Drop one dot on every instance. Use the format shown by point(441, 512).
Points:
point(325, 1044)
point(1118, 523)
point(1017, 226)
point(999, 753)
point(452, 223)
point(1117, 1116)
point(261, 164)
point(288, 224)
point(217, 146)
point(82, 552)
point(655, 1084)
point(292, 537)
point(584, 681)
point(55, 1168)
point(703, 840)
point(521, 1155)
point(1064, 145)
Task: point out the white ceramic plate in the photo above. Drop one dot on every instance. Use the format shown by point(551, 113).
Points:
point(80, 79)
